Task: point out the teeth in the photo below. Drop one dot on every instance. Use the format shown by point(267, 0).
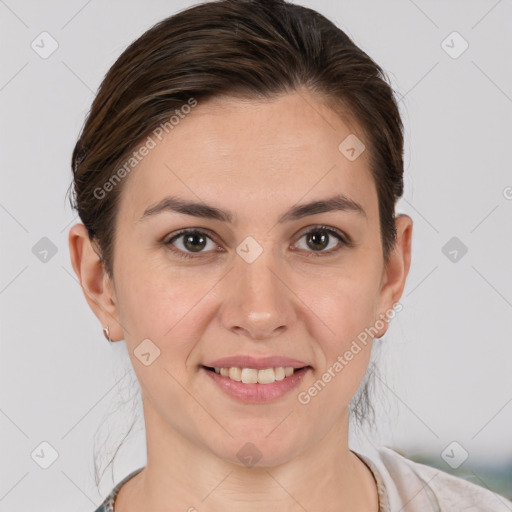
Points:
point(253, 376)
point(266, 376)
point(280, 373)
point(235, 374)
point(249, 376)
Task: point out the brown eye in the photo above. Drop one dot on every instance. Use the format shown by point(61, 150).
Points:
point(191, 241)
point(320, 238)
point(317, 239)
point(194, 242)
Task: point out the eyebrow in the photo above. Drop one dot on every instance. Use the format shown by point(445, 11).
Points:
point(339, 202)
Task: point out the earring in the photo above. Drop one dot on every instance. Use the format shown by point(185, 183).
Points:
point(106, 333)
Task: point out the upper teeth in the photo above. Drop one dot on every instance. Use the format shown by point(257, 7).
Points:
point(253, 376)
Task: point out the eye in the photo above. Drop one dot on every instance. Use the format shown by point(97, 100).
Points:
point(319, 238)
point(193, 240)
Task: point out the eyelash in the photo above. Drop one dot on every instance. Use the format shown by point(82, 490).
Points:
point(344, 240)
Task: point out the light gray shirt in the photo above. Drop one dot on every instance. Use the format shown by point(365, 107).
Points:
point(406, 486)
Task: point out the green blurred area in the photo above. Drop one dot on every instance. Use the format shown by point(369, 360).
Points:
point(496, 478)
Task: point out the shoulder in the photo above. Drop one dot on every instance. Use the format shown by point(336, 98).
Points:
point(108, 503)
point(106, 506)
point(417, 487)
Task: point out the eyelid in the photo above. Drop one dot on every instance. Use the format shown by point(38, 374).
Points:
point(171, 236)
point(344, 237)
point(345, 240)
point(167, 241)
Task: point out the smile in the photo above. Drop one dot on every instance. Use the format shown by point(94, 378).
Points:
point(256, 386)
point(254, 376)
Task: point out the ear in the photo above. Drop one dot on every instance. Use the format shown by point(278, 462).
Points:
point(97, 286)
point(396, 270)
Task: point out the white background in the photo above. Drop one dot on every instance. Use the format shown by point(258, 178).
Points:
point(446, 359)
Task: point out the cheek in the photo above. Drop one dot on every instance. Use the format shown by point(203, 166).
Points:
point(167, 302)
point(163, 303)
point(345, 303)
point(348, 310)
point(165, 308)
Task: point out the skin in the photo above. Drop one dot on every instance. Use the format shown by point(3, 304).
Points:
point(257, 159)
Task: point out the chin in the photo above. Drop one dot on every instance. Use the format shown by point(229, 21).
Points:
point(257, 450)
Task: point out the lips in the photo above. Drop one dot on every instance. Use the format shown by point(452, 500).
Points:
point(258, 363)
point(260, 392)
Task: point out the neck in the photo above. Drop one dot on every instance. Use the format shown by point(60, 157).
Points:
point(183, 475)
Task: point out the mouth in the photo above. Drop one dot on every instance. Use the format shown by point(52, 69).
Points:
point(257, 376)
point(256, 386)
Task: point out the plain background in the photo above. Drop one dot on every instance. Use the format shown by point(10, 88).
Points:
point(446, 359)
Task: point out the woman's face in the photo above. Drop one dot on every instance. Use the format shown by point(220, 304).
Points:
point(256, 284)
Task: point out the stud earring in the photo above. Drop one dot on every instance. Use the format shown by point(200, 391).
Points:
point(106, 332)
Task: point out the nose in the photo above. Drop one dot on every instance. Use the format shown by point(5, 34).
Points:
point(257, 303)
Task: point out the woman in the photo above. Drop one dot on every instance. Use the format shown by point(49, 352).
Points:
point(237, 179)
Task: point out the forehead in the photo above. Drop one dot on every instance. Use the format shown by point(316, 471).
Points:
point(252, 154)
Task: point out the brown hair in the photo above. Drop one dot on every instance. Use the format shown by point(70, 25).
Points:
point(249, 48)
point(245, 48)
